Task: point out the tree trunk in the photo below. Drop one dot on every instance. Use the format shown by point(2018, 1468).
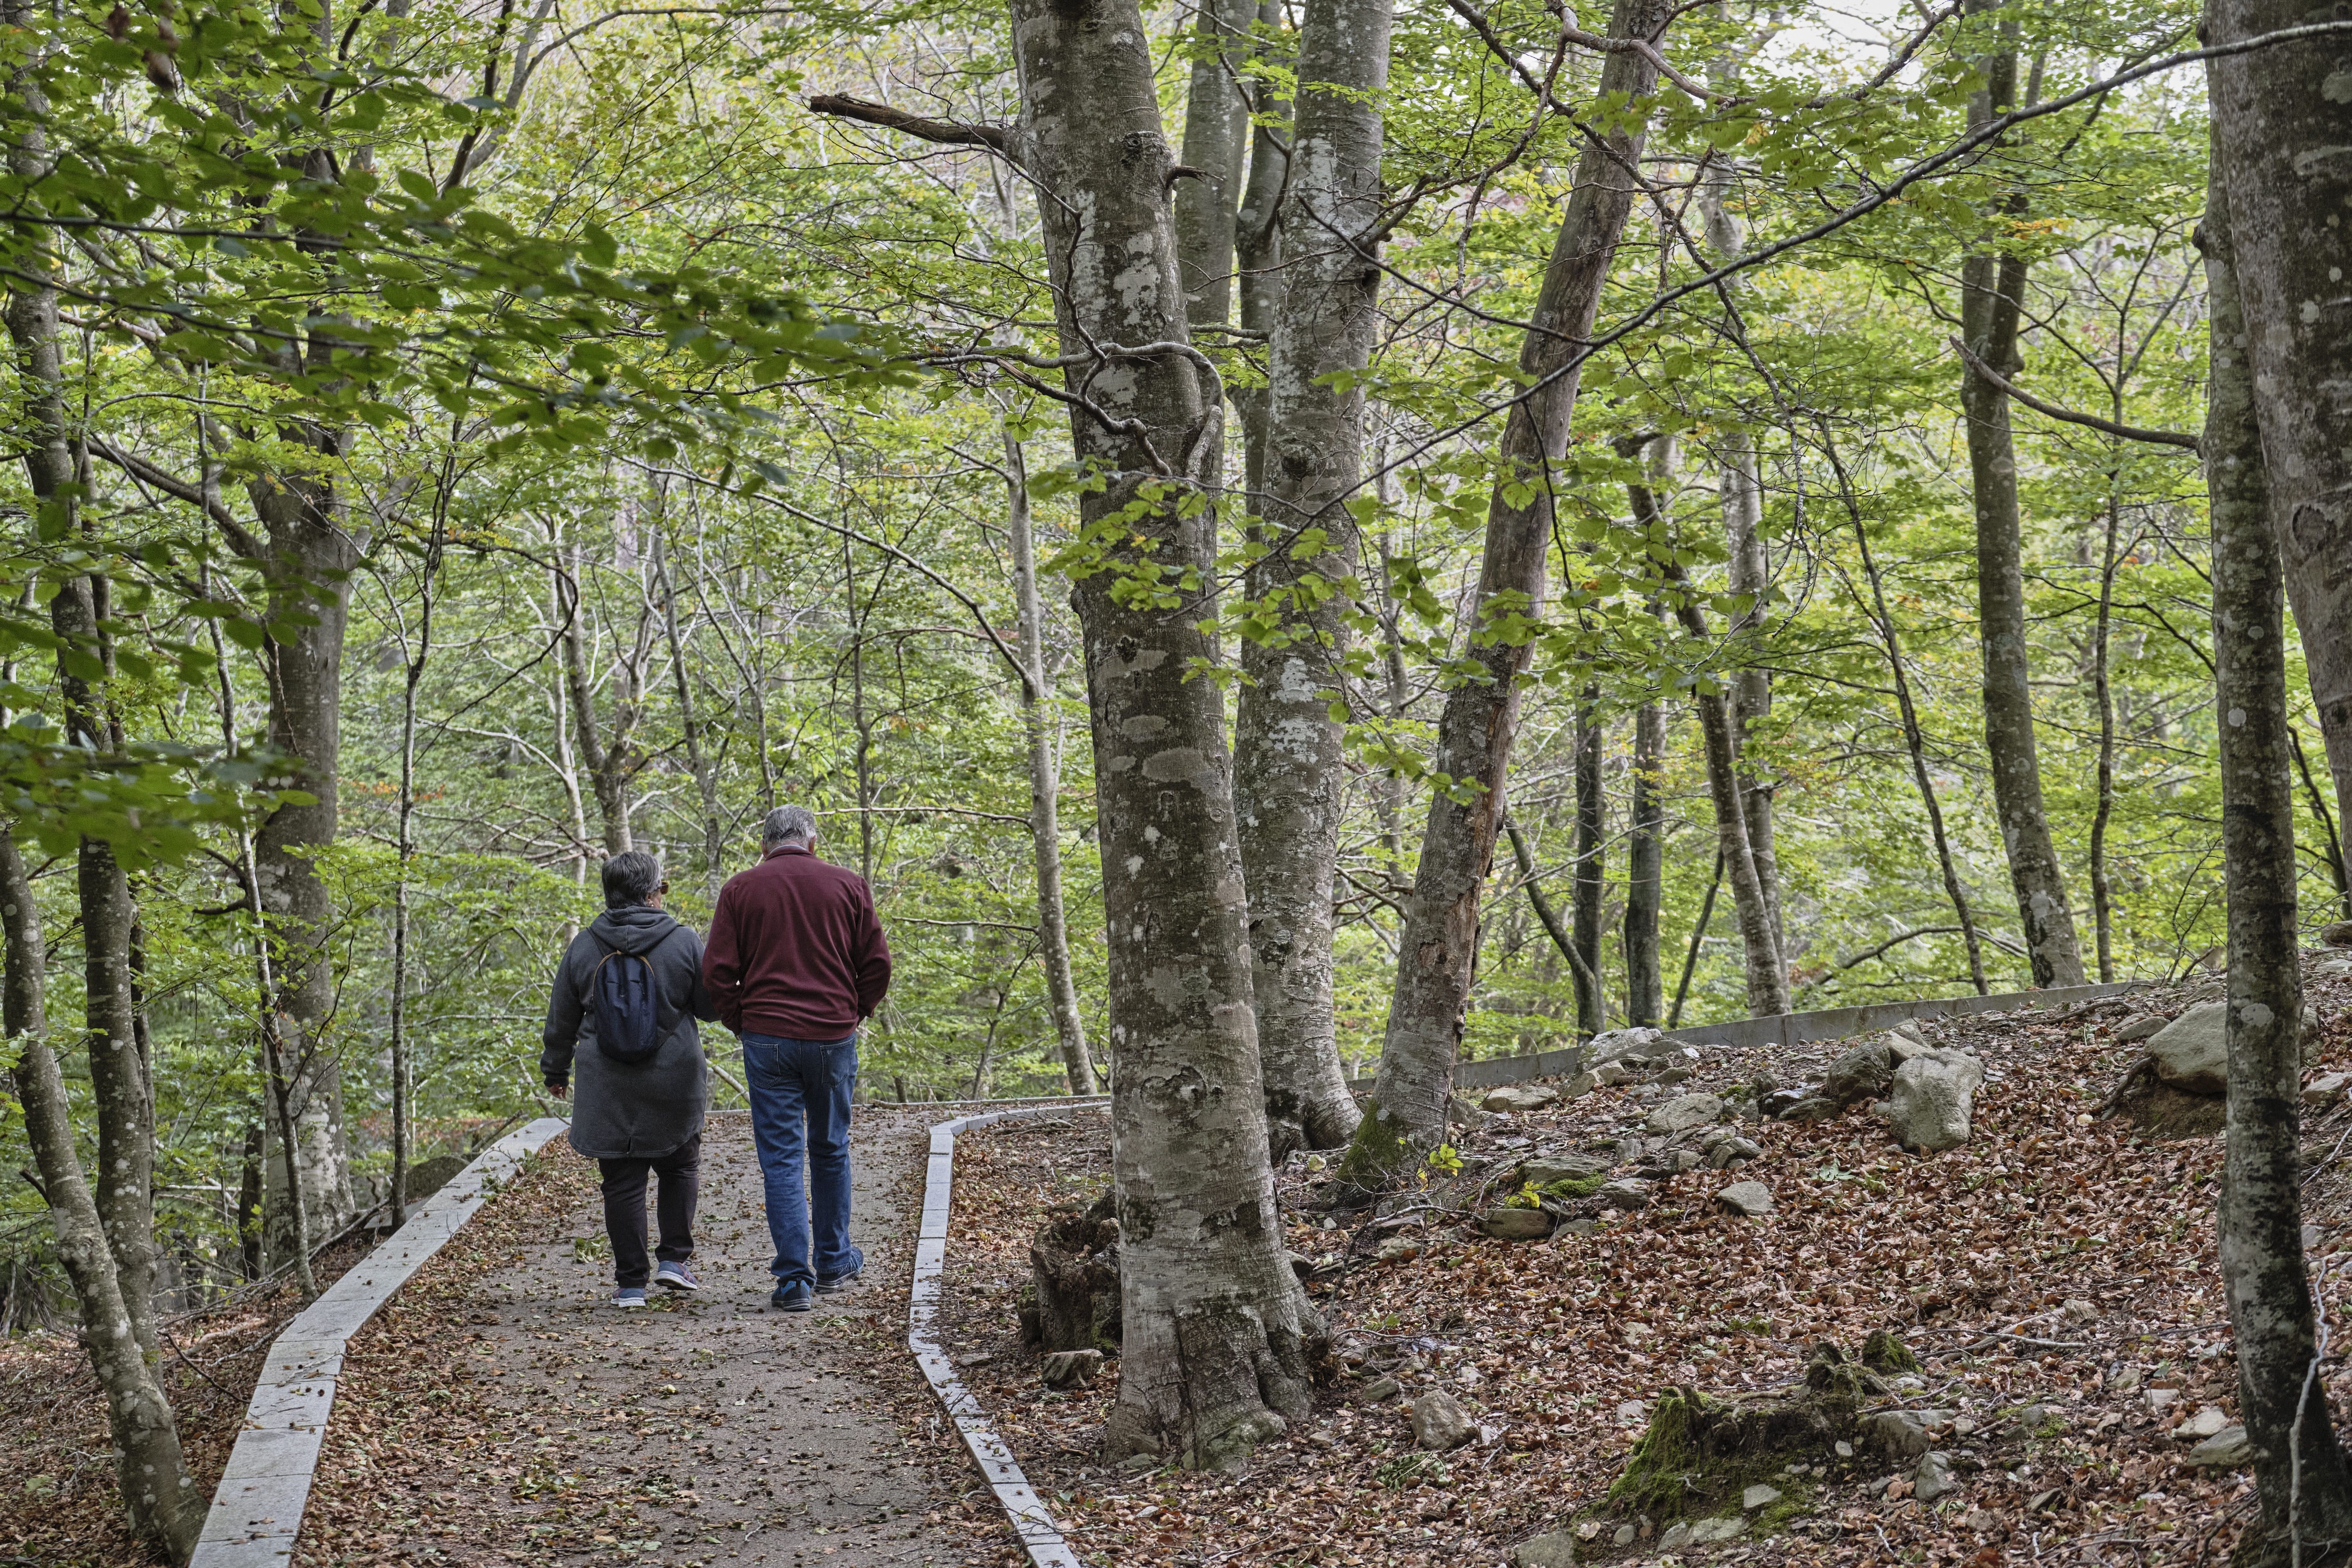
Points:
point(1216, 126)
point(1290, 778)
point(1045, 777)
point(405, 850)
point(605, 752)
point(1915, 740)
point(1584, 903)
point(1698, 936)
point(1217, 1331)
point(1257, 259)
point(1992, 293)
point(2103, 896)
point(1438, 946)
point(164, 1504)
point(2332, 848)
point(706, 774)
point(1741, 492)
point(1768, 974)
point(1645, 870)
point(2277, 476)
point(118, 1072)
point(2281, 113)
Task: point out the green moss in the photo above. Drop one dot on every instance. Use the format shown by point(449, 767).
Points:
point(1661, 1460)
point(1377, 1155)
point(1573, 1186)
point(1882, 1351)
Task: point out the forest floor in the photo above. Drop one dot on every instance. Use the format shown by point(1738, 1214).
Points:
point(2055, 1276)
point(499, 1410)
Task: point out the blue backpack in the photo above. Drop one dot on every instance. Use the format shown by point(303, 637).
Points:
point(628, 1004)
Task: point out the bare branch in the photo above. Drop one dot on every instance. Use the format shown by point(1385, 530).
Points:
point(948, 133)
point(2089, 421)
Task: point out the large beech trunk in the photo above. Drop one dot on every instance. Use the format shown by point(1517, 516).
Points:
point(1438, 947)
point(2278, 476)
point(2282, 113)
point(1217, 1335)
point(164, 1504)
point(1216, 143)
point(1992, 295)
point(1290, 778)
point(1044, 780)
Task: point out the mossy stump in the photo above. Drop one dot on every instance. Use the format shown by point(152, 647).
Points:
point(1071, 1302)
point(1699, 1453)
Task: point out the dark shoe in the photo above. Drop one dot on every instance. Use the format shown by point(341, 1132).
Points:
point(793, 1298)
point(838, 1283)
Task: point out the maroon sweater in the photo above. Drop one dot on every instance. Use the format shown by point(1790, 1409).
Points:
point(796, 950)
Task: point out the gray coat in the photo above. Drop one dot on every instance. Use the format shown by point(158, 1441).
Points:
point(631, 1112)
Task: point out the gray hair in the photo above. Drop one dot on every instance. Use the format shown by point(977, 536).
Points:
point(788, 824)
point(631, 878)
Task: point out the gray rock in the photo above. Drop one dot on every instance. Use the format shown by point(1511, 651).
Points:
point(1759, 1495)
point(1439, 1423)
point(1933, 1097)
point(1734, 1151)
point(1684, 1112)
point(2225, 1451)
point(1545, 1169)
point(1624, 1535)
point(1901, 1432)
point(1676, 1537)
point(2139, 1027)
point(1519, 1097)
point(1611, 1073)
point(1072, 1369)
point(1625, 1193)
point(428, 1177)
point(1515, 1225)
point(1778, 1102)
point(1860, 1072)
point(2209, 1422)
point(1629, 1045)
point(1688, 1160)
point(2192, 1052)
point(1909, 1029)
point(1706, 1531)
point(1934, 1478)
point(2327, 1085)
point(1379, 1390)
point(1814, 1108)
point(1577, 1086)
point(1753, 1199)
point(1557, 1549)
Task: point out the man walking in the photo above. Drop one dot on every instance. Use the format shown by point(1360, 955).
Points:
point(623, 1013)
point(797, 962)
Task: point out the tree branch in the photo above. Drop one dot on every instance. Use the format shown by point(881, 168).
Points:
point(2090, 421)
point(240, 539)
point(949, 132)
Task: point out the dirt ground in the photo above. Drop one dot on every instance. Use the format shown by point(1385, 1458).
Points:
point(2055, 1276)
point(499, 1410)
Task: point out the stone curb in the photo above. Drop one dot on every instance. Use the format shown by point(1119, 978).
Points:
point(256, 1511)
point(1024, 1508)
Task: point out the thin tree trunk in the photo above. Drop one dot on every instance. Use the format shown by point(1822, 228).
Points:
point(1290, 769)
point(151, 1471)
point(1258, 259)
point(1584, 905)
point(1217, 1333)
point(607, 757)
point(118, 1078)
point(2103, 895)
point(1768, 974)
point(402, 1075)
point(1699, 935)
point(1645, 869)
point(1438, 946)
point(2277, 473)
point(706, 776)
point(1045, 777)
point(1913, 739)
point(2300, 1472)
point(1741, 491)
point(1548, 917)
point(2334, 847)
point(1992, 293)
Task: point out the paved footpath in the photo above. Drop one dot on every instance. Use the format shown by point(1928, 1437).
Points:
point(709, 1430)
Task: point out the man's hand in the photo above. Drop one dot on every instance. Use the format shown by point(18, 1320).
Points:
point(559, 1086)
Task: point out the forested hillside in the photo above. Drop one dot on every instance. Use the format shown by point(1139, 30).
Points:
point(1290, 543)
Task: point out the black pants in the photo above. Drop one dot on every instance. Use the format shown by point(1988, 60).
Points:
point(680, 1171)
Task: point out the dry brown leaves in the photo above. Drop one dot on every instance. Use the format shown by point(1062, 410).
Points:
point(1972, 1256)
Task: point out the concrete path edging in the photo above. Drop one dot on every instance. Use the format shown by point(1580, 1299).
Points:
point(257, 1508)
point(1041, 1538)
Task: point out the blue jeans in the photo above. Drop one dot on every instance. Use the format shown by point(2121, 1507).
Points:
point(800, 1106)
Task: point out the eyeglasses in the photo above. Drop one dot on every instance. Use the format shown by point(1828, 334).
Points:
point(663, 889)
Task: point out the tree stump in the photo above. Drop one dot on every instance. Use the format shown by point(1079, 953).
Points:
point(1071, 1302)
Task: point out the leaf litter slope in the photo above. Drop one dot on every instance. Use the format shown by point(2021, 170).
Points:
point(499, 1411)
point(2061, 1259)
